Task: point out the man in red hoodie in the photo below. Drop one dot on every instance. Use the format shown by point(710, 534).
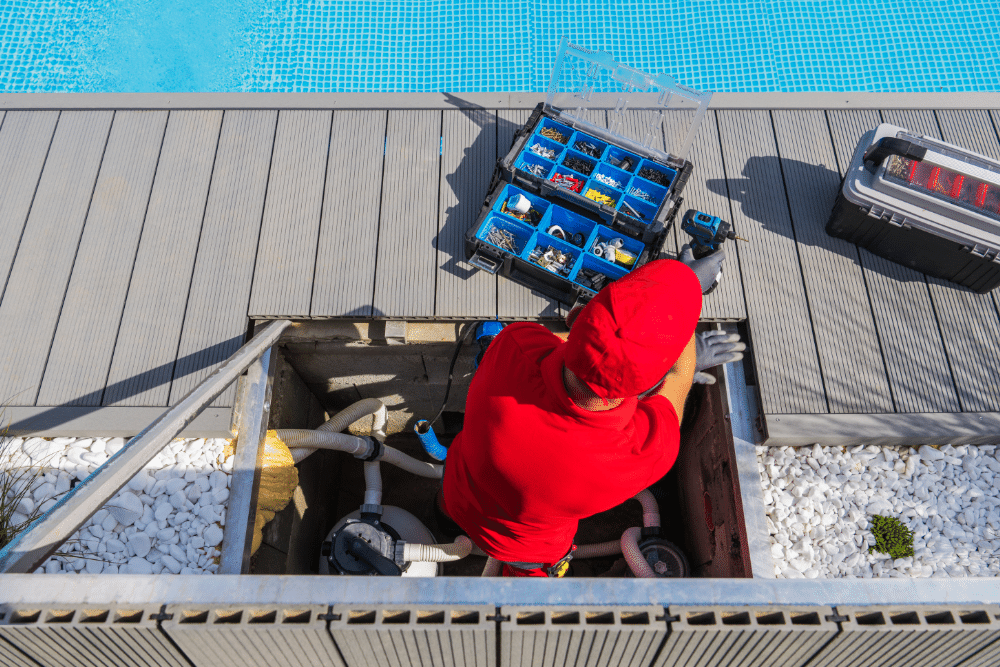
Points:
point(557, 431)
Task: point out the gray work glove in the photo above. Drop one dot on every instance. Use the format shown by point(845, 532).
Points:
point(708, 268)
point(714, 348)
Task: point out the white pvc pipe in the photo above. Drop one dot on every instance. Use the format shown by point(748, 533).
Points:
point(373, 483)
point(437, 553)
point(630, 548)
point(599, 549)
point(410, 464)
point(650, 510)
point(492, 568)
point(351, 414)
point(379, 422)
point(340, 442)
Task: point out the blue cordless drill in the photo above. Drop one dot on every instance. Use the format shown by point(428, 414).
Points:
point(707, 232)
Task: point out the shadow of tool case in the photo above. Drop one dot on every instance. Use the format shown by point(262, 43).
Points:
point(584, 186)
point(925, 204)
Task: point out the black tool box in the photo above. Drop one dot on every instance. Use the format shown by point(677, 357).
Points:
point(589, 187)
point(925, 204)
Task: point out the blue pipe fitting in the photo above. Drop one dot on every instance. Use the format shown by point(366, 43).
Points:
point(425, 432)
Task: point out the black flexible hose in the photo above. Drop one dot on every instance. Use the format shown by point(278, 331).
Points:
point(469, 329)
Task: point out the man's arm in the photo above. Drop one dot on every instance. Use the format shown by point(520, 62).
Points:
point(678, 383)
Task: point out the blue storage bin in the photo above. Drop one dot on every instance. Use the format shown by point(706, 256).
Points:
point(630, 246)
point(610, 175)
point(656, 173)
point(599, 188)
point(570, 223)
point(541, 241)
point(590, 265)
point(541, 147)
point(538, 205)
point(547, 124)
point(641, 209)
point(651, 193)
point(519, 233)
point(588, 145)
point(616, 157)
point(534, 165)
point(578, 162)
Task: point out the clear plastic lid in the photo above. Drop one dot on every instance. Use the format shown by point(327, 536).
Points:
point(582, 80)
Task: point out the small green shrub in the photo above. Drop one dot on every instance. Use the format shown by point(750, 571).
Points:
point(891, 537)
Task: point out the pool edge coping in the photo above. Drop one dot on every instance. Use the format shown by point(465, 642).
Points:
point(498, 100)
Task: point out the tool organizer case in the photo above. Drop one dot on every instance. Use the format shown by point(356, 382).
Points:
point(598, 182)
point(925, 204)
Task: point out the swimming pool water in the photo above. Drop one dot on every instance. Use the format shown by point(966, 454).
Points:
point(482, 45)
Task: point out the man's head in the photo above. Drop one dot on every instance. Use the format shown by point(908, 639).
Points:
point(629, 335)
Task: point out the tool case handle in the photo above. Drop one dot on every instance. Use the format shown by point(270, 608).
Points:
point(887, 146)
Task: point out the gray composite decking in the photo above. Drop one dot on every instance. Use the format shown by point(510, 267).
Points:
point(138, 245)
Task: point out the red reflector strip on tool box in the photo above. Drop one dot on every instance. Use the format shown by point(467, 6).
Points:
point(945, 182)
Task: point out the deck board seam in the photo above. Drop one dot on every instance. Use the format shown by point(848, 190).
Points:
point(378, 231)
point(842, 169)
point(31, 205)
point(145, 215)
point(322, 204)
point(263, 212)
point(69, 277)
point(194, 260)
point(437, 209)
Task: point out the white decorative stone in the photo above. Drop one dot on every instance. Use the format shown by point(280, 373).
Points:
point(140, 544)
point(126, 508)
point(139, 566)
point(213, 536)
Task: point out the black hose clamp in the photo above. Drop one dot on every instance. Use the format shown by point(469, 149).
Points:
point(377, 449)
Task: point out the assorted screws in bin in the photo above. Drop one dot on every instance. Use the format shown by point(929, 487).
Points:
point(553, 134)
point(642, 194)
point(502, 239)
point(587, 148)
point(612, 251)
point(579, 164)
point(625, 164)
point(654, 175)
point(542, 151)
point(550, 259)
point(534, 169)
point(608, 180)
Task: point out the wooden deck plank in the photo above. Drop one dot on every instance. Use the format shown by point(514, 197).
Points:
point(706, 191)
point(84, 341)
point(143, 363)
point(344, 283)
point(45, 257)
point(784, 347)
point(973, 318)
point(25, 137)
point(406, 261)
point(911, 342)
point(286, 255)
point(515, 301)
point(846, 338)
point(109, 422)
point(469, 154)
point(969, 323)
point(215, 322)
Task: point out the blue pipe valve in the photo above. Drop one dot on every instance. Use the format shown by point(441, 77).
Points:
point(425, 432)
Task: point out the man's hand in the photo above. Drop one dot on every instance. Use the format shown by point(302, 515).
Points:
point(714, 348)
point(708, 268)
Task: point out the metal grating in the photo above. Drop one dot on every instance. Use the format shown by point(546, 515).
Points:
point(84, 341)
point(286, 253)
point(415, 635)
point(771, 636)
point(259, 636)
point(90, 635)
point(549, 636)
point(853, 372)
point(932, 636)
point(780, 322)
point(910, 341)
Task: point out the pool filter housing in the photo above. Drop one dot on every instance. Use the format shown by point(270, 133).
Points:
point(925, 204)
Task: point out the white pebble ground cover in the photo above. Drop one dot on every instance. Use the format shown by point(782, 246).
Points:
point(167, 519)
point(820, 500)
